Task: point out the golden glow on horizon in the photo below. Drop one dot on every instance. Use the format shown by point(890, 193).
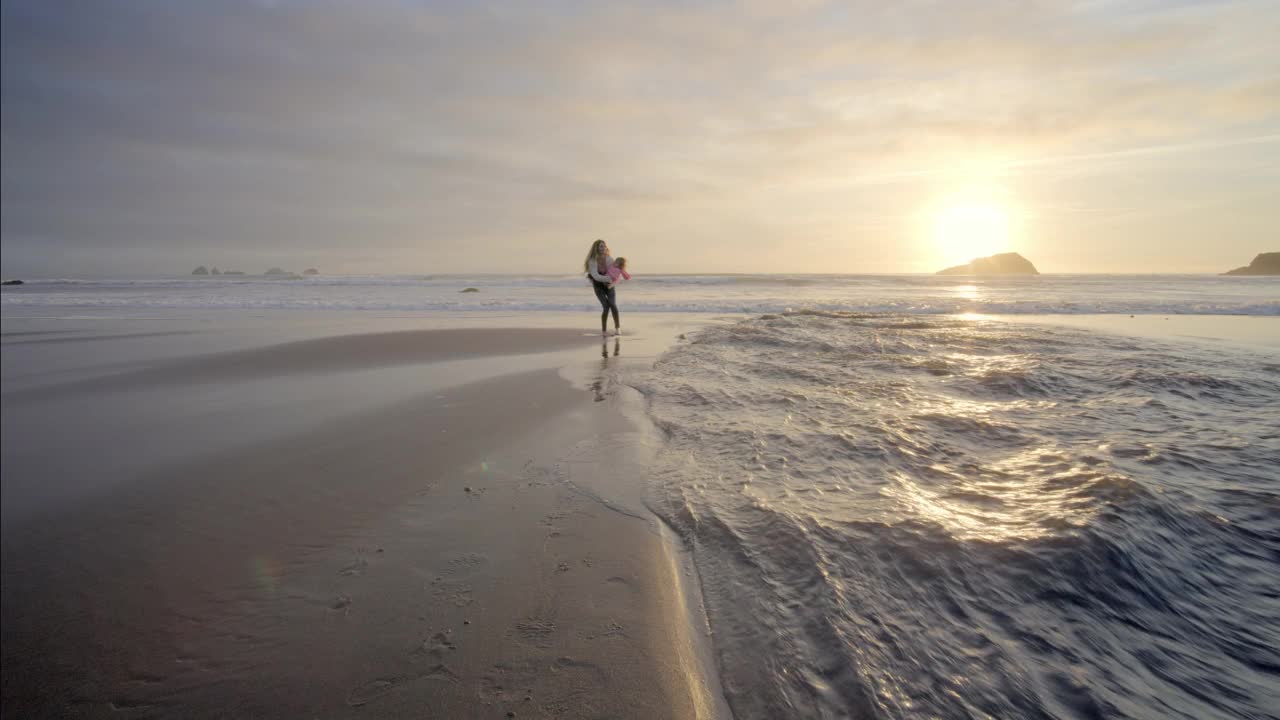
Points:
point(966, 229)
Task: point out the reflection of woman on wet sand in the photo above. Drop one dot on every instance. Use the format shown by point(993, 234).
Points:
point(604, 347)
point(597, 268)
point(598, 385)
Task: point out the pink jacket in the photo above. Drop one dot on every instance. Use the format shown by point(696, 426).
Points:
point(616, 272)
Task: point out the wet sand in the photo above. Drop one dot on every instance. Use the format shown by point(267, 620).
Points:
point(465, 548)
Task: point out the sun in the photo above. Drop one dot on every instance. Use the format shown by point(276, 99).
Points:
point(967, 229)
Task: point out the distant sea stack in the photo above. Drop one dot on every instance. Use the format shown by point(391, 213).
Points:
point(12, 282)
point(202, 270)
point(311, 271)
point(277, 271)
point(1267, 263)
point(1001, 264)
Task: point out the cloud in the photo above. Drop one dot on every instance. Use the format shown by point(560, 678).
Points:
point(420, 131)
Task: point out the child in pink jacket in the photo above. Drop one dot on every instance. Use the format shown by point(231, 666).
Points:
point(618, 270)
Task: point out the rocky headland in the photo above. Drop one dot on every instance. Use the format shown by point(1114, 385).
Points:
point(1001, 264)
point(1267, 263)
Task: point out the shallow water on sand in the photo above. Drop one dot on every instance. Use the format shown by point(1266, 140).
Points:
point(935, 517)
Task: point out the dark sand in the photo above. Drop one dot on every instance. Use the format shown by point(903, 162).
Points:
point(468, 552)
point(321, 355)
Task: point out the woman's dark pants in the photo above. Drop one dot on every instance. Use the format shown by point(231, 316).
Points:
point(608, 298)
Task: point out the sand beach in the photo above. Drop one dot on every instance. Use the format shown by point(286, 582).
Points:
point(472, 544)
point(360, 497)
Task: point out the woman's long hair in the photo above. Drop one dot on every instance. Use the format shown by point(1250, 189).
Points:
point(592, 255)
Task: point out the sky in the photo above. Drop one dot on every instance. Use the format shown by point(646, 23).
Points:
point(381, 136)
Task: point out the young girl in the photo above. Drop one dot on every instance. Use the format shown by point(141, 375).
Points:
point(618, 270)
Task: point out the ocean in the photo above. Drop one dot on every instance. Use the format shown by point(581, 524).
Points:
point(900, 506)
point(907, 294)
point(930, 516)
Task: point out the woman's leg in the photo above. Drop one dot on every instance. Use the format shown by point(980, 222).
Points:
point(603, 296)
point(613, 306)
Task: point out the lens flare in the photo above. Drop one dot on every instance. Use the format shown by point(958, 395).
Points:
point(268, 572)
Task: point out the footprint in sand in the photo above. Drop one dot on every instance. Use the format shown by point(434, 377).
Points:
point(366, 693)
point(436, 646)
point(538, 476)
point(505, 684)
point(448, 585)
point(455, 593)
point(568, 664)
point(526, 684)
point(372, 690)
point(460, 597)
point(611, 630)
point(440, 672)
point(534, 632)
point(464, 565)
point(355, 569)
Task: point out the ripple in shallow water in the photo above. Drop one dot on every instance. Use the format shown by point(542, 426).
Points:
point(906, 517)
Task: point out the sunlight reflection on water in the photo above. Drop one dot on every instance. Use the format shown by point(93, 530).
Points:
point(881, 504)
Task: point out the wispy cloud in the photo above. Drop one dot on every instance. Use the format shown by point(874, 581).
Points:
point(421, 132)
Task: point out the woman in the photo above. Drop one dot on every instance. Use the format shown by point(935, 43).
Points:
point(597, 269)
